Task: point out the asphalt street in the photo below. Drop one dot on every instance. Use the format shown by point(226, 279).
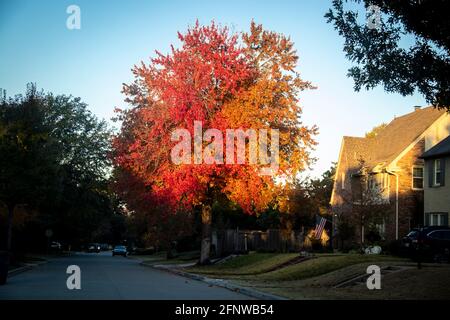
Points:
point(107, 277)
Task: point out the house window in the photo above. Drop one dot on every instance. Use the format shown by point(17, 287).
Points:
point(386, 186)
point(437, 172)
point(385, 181)
point(378, 184)
point(343, 180)
point(379, 181)
point(375, 182)
point(417, 178)
point(438, 219)
point(371, 182)
point(381, 228)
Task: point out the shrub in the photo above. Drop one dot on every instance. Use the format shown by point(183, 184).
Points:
point(395, 247)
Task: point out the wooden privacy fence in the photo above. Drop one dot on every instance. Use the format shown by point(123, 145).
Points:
point(231, 241)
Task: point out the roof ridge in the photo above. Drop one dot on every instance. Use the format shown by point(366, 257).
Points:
point(429, 108)
point(394, 138)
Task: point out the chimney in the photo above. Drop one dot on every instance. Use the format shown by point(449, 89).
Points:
point(417, 108)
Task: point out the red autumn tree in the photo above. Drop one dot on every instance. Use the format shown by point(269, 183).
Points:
point(224, 81)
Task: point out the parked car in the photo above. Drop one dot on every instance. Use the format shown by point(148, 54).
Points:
point(93, 247)
point(428, 243)
point(104, 247)
point(119, 251)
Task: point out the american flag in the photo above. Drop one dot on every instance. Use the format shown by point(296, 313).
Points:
point(319, 227)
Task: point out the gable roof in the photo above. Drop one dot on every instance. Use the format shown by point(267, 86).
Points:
point(353, 149)
point(391, 140)
point(441, 149)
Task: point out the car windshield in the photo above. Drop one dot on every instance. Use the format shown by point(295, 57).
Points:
point(435, 234)
point(120, 247)
point(413, 234)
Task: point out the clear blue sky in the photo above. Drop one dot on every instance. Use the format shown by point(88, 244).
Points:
point(93, 62)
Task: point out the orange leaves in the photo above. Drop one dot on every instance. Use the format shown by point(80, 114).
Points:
point(226, 81)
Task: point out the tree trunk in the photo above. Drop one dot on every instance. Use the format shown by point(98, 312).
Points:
point(171, 252)
point(206, 235)
point(9, 225)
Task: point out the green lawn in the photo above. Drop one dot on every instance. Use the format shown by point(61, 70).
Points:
point(316, 278)
point(251, 264)
point(260, 266)
point(323, 264)
point(430, 282)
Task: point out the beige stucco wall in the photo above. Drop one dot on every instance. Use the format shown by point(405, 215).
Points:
point(437, 132)
point(437, 199)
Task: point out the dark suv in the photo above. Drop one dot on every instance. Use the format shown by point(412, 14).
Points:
point(428, 243)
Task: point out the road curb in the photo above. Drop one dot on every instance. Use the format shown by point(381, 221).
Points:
point(217, 282)
point(27, 267)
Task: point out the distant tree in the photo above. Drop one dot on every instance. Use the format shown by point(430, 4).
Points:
point(28, 161)
point(311, 197)
point(269, 219)
point(55, 160)
point(405, 48)
point(320, 190)
point(375, 130)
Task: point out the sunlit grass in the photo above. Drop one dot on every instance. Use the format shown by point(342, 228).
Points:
point(254, 263)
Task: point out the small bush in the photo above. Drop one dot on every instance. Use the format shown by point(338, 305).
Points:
point(395, 247)
point(144, 251)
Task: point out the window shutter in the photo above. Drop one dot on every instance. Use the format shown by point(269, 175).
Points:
point(443, 172)
point(427, 219)
point(445, 215)
point(430, 164)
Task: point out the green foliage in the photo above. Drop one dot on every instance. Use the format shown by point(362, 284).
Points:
point(408, 49)
point(55, 162)
point(28, 166)
point(311, 197)
point(375, 130)
point(346, 229)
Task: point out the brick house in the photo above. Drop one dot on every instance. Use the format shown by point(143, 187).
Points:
point(393, 172)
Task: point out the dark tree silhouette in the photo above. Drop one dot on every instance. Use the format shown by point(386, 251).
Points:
point(54, 161)
point(405, 48)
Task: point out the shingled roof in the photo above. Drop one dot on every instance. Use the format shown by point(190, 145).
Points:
point(390, 141)
point(441, 149)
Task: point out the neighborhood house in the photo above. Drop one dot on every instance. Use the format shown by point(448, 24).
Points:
point(400, 171)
